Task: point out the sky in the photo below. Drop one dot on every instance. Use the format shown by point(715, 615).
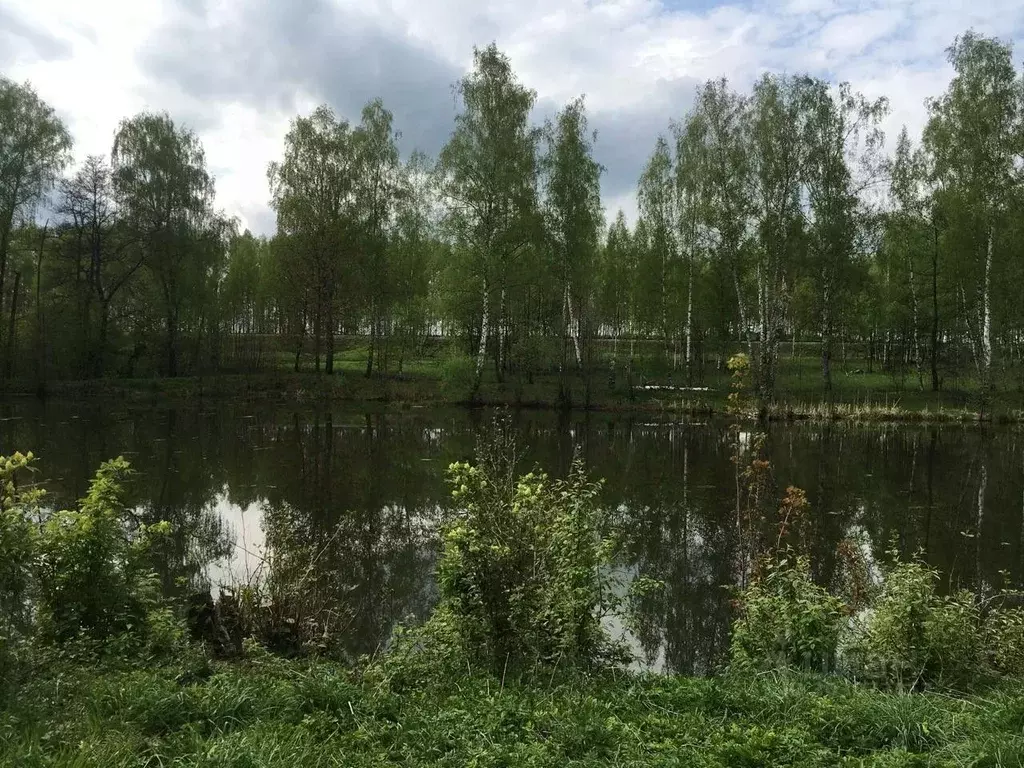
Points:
point(237, 71)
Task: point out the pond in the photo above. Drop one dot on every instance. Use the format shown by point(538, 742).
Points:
point(371, 483)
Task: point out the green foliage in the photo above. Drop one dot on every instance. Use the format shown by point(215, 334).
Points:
point(739, 385)
point(166, 196)
point(18, 539)
point(756, 224)
point(786, 620)
point(907, 637)
point(80, 579)
point(35, 146)
point(489, 165)
point(523, 572)
point(94, 578)
point(901, 635)
point(1005, 640)
point(270, 713)
point(912, 636)
point(458, 376)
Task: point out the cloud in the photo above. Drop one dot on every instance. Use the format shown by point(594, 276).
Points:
point(238, 70)
point(280, 57)
point(851, 33)
point(21, 39)
point(626, 137)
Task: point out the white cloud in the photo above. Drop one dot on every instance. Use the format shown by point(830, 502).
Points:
point(97, 84)
point(851, 33)
point(637, 61)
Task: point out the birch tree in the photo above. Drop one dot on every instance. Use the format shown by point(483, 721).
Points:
point(487, 174)
point(975, 135)
point(414, 254)
point(692, 184)
point(616, 299)
point(378, 184)
point(728, 188)
point(778, 156)
point(841, 129)
point(573, 216)
point(657, 205)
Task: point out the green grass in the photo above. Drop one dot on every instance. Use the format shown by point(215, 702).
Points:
point(297, 714)
point(857, 394)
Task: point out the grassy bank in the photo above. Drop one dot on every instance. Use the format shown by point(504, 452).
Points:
point(280, 713)
point(870, 401)
point(514, 667)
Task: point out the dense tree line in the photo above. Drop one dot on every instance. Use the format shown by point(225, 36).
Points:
point(765, 217)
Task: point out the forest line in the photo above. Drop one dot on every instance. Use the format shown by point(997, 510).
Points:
point(764, 216)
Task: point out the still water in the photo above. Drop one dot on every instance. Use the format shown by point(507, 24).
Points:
point(368, 485)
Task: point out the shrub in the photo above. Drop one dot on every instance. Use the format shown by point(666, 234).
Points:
point(953, 633)
point(94, 574)
point(739, 383)
point(458, 377)
point(786, 620)
point(523, 569)
point(1004, 634)
point(913, 637)
point(18, 505)
point(80, 579)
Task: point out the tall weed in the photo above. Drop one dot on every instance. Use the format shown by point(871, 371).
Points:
point(524, 571)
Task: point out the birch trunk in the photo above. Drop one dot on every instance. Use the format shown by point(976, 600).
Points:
point(986, 318)
point(573, 323)
point(689, 326)
point(502, 333)
point(914, 318)
point(742, 310)
point(485, 329)
point(935, 310)
point(980, 519)
point(826, 340)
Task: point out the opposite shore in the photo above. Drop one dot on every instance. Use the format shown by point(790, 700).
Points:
point(874, 405)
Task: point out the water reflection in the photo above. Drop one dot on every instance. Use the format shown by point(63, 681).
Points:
point(363, 487)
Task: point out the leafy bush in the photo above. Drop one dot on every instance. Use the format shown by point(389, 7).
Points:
point(94, 573)
point(79, 578)
point(18, 505)
point(786, 620)
point(901, 634)
point(739, 383)
point(458, 377)
point(914, 637)
point(523, 570)
point(955, 637)
point(1004, 635)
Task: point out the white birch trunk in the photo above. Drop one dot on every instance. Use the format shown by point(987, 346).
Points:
point(979, 521)
point(502, 328)
point(743, 311)
point(689, 325)
point(485, 329)
point(573, 328)
point(913, 307)
point(986, 316)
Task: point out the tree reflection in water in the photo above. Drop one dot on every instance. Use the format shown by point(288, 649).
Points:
point(364, 487)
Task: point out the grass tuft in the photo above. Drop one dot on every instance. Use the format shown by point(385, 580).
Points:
point(290, 713)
